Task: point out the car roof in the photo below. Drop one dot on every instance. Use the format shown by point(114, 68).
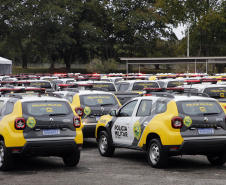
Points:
point(83, 92)
point(203, 86)
point(176, 98)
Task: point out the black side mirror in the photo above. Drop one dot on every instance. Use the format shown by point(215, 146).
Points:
point(113, 113)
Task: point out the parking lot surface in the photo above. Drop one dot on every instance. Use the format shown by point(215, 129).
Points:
point(125, 167)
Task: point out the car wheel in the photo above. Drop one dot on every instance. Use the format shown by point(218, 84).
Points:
point(105, 146)
point(156, 156)
point(6, 161)
point(217, 159)
point(72, 159)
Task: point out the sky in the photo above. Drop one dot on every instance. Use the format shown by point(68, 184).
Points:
point(179, 31)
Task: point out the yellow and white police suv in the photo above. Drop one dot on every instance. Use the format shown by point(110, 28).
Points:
point(166, 125)
point(38, 126)
point(90, 105)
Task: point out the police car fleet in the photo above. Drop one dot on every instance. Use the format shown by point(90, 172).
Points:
point(166, 125)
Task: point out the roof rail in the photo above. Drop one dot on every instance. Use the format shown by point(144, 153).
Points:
point(13, 95)
point(51, 94)
point(99, 89)
point(71, 89)
point(192, 94)
point(160, 94)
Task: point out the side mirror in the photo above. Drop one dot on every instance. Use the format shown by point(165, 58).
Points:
point(113, 113)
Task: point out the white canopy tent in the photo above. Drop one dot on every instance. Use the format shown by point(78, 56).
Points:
point(5, 66)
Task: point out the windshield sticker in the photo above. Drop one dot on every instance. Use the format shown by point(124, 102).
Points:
point(87, 111)
point(218, 90)
point(31, 122)
point(146, 85)
point(47, 105)
point(137, 130)
point(49, 109)
point(199, 104)
point(202, 109)
point(100, 86)
point(38, 84)
point(187, 121)
point(100, 101)
point(97, 97)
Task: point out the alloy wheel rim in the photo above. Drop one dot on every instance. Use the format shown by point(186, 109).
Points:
point(103, 144)
point(154, 153)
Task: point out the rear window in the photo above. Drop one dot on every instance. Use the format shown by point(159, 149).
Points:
point(141, 85)
point(199, 108)
point(108, 86)
point(216, 92)
point(98, 100)
point(46, 108)
point(40, 84)
point(175, 83)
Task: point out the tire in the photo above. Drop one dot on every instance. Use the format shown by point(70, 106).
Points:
point(6, 161)
point(105, 146)
point(156, 156)
point(72, 159)
point(217, 159)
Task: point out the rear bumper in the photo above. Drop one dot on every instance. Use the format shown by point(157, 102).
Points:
point(195, 147)
point(45, 148)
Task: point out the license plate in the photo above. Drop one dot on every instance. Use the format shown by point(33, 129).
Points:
point(97, 118)
point(51, 132)
point(206, 131)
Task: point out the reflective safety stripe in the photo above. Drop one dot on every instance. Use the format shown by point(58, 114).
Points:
point(50, 139)
point(205, 138)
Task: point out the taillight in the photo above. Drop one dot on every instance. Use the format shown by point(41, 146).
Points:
point(77, 121)
point(20, 123)
point(177, 122)
point(79, 111)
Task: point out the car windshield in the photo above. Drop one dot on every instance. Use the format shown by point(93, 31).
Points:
point(98, 100)
point(216, 92)
point(175, 83)
point(142, 85)
point(40, 84)
point(108, 86)
point(199, 108)
point(46, 108)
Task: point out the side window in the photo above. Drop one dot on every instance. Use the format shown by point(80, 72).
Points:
point(1, 106)
point(144, 108)
point(9, 108)
point(69, 98)
point(161, 107)
point(124, 87)
point(128, 109)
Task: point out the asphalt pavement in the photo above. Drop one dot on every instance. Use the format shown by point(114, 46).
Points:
point(125, 167)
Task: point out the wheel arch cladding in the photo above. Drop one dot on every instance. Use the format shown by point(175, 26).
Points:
point(151, 136)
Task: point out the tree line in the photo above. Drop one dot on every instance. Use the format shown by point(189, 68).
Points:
point(69, 31)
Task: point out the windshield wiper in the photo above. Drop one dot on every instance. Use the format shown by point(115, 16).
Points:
point(60, 114)
point(105, 104)
point(210, 113)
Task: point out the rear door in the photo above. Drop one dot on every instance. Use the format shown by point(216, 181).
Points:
point(201, 119)
point(95, 105)
point(48, 119)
